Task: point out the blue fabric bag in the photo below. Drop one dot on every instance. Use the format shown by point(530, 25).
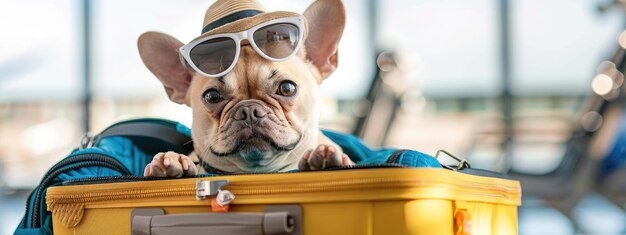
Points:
point(616, 156)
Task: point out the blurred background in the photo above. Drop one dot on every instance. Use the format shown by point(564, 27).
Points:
point(530, 88)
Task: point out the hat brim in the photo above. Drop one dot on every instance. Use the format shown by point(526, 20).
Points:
point(247, 23)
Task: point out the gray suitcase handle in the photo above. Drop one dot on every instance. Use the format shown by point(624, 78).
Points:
point(154, 222)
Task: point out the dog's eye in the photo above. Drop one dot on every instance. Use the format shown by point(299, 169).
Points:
point(287, 88)
point(212, 96)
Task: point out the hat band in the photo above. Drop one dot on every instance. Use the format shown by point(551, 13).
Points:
point(230, 18)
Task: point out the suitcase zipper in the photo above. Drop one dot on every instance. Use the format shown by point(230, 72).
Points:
point(261, 189)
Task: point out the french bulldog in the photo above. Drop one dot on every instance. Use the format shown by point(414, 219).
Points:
point(260, 117)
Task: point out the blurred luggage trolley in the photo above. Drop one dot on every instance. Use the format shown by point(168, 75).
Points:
point(356, 201)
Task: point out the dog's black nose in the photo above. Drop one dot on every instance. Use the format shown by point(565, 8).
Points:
point(250, 113)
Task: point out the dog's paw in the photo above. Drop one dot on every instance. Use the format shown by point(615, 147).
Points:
point(323, 157)
point(171, 165)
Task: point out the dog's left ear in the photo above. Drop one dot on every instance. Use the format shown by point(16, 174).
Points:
point(326, 20)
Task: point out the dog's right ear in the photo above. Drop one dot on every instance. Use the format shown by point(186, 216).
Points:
point(159, 53)
point(327, 19)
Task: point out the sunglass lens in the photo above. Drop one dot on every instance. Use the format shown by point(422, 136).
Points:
point(214, 56)
point(277, 40)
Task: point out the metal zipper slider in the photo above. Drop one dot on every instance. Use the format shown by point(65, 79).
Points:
point(208, 188)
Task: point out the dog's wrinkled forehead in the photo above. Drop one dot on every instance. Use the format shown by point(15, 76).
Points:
point(254, 68)
point(250, 68)
point(254, 73)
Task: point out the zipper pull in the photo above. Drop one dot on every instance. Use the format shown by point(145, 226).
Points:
point(224, 197)
point(221, 203)
point(207, 188)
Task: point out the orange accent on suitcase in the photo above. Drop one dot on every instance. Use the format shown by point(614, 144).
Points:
point(216, 207)
point(462, 223)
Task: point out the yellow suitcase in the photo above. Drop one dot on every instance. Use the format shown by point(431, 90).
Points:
point(356, 201)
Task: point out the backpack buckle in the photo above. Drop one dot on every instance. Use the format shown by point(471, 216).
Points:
point(460, 166)
point(86, 141)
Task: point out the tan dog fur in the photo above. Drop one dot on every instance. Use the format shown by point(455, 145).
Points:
point(287, 135)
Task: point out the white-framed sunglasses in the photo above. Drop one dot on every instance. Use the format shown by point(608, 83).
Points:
point(216, 55)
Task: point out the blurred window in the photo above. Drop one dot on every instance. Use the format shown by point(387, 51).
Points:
point(452, 45)
point(41, 50)
point(40, 87)
point(559, 43)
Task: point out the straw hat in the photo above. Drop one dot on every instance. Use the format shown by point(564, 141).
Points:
point(231, 16)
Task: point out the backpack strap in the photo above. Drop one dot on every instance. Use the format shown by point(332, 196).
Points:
point(152, 129)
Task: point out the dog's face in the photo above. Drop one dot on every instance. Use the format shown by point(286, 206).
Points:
point(255, 114)
point(262, 115)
